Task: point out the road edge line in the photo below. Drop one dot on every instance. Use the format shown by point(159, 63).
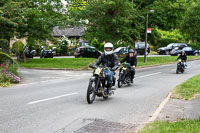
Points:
point(156, 113)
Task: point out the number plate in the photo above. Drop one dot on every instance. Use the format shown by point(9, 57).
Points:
point(98, 71)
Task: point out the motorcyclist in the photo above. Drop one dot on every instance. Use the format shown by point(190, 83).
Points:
point(183, 58)
point(132, 59)
point(109, 60)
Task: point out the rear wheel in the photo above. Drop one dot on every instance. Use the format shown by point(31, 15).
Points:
point(91, 92)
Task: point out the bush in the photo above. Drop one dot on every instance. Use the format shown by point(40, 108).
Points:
point(8, 69)
point(195, 45)
point(18, 48)
point(160, 38)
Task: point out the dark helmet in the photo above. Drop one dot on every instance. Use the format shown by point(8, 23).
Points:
point(131, 51)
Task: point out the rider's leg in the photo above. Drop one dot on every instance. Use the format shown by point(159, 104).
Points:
point(132, 70)
point(109, 75)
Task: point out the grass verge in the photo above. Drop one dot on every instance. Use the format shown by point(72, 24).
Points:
point(62, 63)
point(83, 63)
point(187, 89)
point(184, 126)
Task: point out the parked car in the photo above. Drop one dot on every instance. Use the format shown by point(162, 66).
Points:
point(188, 51)
point(86, 51)
point(140, 48)
point(166, 50)
point(121, 51)
point(175, 50)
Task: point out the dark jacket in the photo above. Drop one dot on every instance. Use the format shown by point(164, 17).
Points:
point(131, 60)
point(108, 61)
point(182, 57)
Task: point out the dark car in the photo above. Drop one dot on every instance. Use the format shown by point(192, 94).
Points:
point(86, 51)
point(188, 51)
point(175, 50)
point(167, 50)
point(121, 51)
point(140, 48)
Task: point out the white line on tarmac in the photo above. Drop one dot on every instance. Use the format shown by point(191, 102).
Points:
point(161, 106)
point(156, 113)
point(148, 75)
point(47, 99)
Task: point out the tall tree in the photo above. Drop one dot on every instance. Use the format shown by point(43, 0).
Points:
point(191, 23)
point(112, 20)
point(11, 19)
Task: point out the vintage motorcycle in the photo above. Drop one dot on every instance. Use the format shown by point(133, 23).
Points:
point(180, 67)
point(98, 84)
point(29, 54)
point(124, 75)
point(46, 53)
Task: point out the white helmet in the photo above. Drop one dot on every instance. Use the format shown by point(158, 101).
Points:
point(108, 48)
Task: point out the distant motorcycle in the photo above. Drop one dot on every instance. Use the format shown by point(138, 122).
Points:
point(98, 84)
point(180, 67)
point(124, 75)
point(29, 54)
point(46, 53)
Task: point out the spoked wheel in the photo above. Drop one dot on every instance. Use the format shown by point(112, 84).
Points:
point(91, 92)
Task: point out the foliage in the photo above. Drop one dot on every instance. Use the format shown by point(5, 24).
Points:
point(6, 76)
point(8, 69)
point(191, 23)
point(11, 20)
point(160, 38)
point(32, 19)
point(63, 45)
point(112, 21)
point(97, 45)
point(168, 14)
point(195, 45)
point(188, 88)
point(18, 47)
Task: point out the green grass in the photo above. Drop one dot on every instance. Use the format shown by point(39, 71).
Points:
point(83, 63)
point(188, 88)
point(66, 63)
point(161, 60)
point(184, 126)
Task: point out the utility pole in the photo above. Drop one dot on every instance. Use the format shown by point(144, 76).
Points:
point(145, 50)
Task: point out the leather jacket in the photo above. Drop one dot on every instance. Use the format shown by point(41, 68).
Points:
point(110, 61)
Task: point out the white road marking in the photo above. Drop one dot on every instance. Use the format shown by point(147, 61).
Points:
point(158, 110)
point(148, 75)
point(156, 113)
point(47, 99)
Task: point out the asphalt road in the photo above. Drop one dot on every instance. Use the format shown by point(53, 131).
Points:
point(55, 101)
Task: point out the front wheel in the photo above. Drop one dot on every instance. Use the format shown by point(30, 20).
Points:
point(91, 92)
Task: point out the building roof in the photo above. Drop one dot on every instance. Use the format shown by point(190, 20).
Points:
point(69, 32)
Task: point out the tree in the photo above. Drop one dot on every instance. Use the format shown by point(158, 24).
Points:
point(168, 13)
point(191, 22)
point(114, 21)
point(11, 19)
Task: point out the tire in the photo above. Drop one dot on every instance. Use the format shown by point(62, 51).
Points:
point(176, 71)
point(196, 54)
point(105, 97)
point(80, 56)
point(119, 84)
point(91, 92)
